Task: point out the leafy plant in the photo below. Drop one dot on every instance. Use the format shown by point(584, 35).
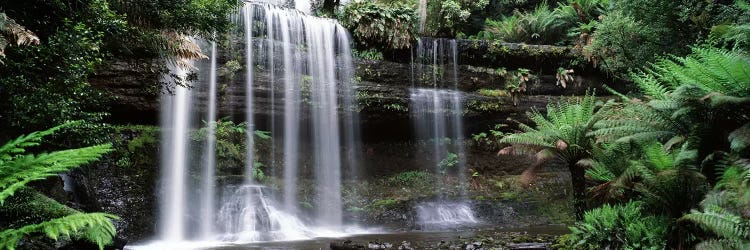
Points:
point(369, 54)
point(540, 26)
point(724, 211)
point(445, 17)
point(450, 161)
point(382, 26)
point(17, 169)
point(516, 84)
point(564, 133)
point(619, 227)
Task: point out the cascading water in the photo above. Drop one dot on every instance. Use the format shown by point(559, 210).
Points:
point(209, 165)
point(437, 114)
point(175, 120)
point(308, 60)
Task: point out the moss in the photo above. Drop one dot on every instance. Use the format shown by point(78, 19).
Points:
point(486, 106)
point(493, 92)
point(557, 211)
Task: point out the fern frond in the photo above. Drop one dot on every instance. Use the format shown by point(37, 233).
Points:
point(13, 33)
point(19, 145)
point(94, 227)
point(723, 244)
point(21, 170)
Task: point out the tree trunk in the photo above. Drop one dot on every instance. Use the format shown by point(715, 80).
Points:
point(578, 178)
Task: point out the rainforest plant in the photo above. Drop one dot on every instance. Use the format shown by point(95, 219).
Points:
point(725, 212)
point(564, 133)
point(18, 168)
point(380, 25)
point(619, 227)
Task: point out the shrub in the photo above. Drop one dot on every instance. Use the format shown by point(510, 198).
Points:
point(383, 26)
point(540, 26)
point(619, 227)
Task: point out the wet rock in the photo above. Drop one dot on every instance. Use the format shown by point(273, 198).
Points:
point(346, 245)
point(529, 246)
point(405, 245)
point(379, 245)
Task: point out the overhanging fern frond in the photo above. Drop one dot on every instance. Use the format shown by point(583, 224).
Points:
point(21, 170)
point(94, 227)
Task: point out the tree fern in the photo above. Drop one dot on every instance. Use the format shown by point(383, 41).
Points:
point(95, 227)
point(563, 133)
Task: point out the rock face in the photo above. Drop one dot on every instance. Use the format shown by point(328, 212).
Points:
point(382, 86)
point(125, 184)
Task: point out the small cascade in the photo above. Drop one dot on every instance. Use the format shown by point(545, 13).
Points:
point(247, 215)
point(437, 215)
point(437, 113)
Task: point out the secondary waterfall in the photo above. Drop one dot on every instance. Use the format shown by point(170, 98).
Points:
point(302, 64)
point(437, 115)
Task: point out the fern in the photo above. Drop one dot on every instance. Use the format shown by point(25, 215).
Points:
point(17, 170)
point(725, 210)
point(95, 227)
point(15, 34)
point(21, 170)
point(564, 133)
point(711, 69)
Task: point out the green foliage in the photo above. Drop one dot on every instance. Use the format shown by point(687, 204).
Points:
point(668, 182)
point(622, 41)
point(711, 69)
point(384, 203)
point(75, 37)
point(566, 122)
point(724, 211)
point(516, 84)
point(737, 34)
point(17, 169)
point(449, 162)
point(369, 54)
point(492, 92)
point(619, 227)
point(540, 26)
point(565, 134)
point(95, 227)
point(381, 26)
point(408, 177)
point(491, 138)
point(445, 17)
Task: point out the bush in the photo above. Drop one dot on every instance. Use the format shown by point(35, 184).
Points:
point(619, 227)
point(540, 26)
point(383, 26)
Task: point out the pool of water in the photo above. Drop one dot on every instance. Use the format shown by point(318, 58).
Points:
point(417, 239)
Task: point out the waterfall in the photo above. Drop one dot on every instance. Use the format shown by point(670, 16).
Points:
point(175, 119)
point(247, 13)
point(209, 165)
point(303, 65)
point(437, 113)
